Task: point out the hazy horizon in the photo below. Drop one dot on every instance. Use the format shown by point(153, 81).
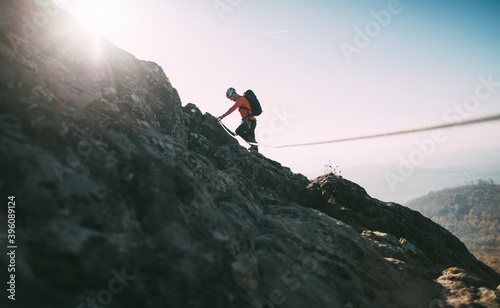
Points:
point(325, 69)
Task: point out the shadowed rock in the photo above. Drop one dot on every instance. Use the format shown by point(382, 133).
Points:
point(124, 198)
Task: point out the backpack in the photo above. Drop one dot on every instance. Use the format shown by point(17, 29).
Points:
point(254, 103)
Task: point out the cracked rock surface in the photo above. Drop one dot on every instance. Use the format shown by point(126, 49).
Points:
point(126, 198)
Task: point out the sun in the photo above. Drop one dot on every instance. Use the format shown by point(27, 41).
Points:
point(104, 18)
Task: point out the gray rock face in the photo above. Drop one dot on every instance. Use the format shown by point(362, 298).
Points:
point(124, 198)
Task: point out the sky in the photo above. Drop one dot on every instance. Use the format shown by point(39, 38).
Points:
point(324, 70)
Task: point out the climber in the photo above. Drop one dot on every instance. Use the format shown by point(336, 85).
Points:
point(247, 127)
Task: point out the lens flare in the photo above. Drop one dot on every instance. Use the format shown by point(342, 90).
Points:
point(103, 18)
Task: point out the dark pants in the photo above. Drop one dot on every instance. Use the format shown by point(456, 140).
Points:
point(247, 130)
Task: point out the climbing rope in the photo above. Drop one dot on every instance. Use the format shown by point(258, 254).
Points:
point(401, 132)
point(408, 131)
point(234, 135)
point(227, 129)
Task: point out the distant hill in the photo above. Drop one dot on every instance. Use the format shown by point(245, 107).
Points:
point(118, 189)
point(472, 213)
point(439, 172)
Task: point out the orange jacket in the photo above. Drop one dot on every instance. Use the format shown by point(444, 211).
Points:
point(243, 106)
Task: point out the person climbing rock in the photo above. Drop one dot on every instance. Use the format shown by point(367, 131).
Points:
point(248, 123)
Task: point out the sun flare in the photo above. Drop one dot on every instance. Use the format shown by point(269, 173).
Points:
point(101, 17)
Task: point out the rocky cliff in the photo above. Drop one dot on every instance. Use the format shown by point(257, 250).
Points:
point(125, 198)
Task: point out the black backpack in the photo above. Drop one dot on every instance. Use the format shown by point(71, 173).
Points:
point(254, 103)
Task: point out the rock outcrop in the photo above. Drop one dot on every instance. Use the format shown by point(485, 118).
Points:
point(124, 198)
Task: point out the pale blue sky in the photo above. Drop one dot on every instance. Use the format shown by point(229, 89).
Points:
point(418, 66)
